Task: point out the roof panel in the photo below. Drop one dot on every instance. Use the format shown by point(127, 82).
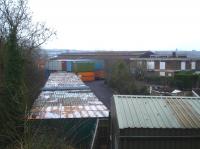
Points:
point(157, 111)
point(76, 103)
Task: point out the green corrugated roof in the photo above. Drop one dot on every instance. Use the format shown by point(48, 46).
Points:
point(157, 111)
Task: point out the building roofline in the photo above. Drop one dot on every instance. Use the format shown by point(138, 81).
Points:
point(163, 59)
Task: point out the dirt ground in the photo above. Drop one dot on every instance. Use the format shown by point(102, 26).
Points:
point(102, 91)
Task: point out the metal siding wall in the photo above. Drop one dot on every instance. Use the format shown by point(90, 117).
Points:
point(159, 132)
point(114, 126)
point(159, 144)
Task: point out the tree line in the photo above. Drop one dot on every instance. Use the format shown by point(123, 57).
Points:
point(20, 41)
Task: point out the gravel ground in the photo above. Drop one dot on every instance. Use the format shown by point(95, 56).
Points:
point(102, 91)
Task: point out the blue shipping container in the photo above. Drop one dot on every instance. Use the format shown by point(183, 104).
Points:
point(99, 65)
point(69, 66)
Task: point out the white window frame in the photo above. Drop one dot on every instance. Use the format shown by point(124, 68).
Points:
point(183, 65)
point(162, 74)
point(162, 65)
point(150, 65)
point(193, 65)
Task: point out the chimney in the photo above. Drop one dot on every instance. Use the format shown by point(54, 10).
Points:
point(173, 54)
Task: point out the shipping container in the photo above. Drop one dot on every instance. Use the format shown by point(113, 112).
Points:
point(69, 66)
point(100, 74)
point(54, 65)
point(99, 65)
point(86, 74)
point(75, 65)
point(64, 66)
point(88, 79)
point(82, 66)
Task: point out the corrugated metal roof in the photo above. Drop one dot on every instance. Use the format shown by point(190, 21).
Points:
point(67, 104)
point(157, 111)
point(64, 96)
point(64, 81)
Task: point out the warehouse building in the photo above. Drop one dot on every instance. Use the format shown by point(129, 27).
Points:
point(67, 106)
point(155, 122)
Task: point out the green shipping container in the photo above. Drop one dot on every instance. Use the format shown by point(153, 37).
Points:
point(83, 66)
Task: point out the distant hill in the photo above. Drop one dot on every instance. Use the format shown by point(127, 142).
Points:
point(56, 52)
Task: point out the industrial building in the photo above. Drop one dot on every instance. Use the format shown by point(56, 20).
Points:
point(155, 122)
point(165, 66)
point(66, 103)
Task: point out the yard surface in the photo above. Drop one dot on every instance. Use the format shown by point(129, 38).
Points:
point(102, 91)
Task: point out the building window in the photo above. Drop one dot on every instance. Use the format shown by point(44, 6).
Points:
point(193, 65)
point(162, 65)
point(169, 74)
point(139, 63)
point(183, 66)
point(162, 74)
point(150, 65)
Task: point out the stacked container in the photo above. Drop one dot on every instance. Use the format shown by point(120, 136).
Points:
point(88, 69)
point(87, 76)
point(99, 69)
point(83, 66)
point(54, 65)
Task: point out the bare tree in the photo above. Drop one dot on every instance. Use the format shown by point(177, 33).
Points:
point(16, 16)
point(21, 38)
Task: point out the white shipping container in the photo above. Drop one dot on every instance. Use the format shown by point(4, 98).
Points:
point(54, 65)
point(50, 65)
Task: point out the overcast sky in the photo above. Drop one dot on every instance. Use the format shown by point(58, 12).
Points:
point(121, 24)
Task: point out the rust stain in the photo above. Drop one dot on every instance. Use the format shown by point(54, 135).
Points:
point(182, 112)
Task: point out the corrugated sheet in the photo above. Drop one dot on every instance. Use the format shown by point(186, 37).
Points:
point(67, 104)
point(157, 111)
point(75, 102)
point(64, 81)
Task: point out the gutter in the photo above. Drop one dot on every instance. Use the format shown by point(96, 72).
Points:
point(162, 137)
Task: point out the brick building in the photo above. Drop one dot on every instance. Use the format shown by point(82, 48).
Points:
point(165, 66)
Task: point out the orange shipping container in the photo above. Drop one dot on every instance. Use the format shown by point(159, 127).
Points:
point(87, 79)
point(100, 74)
point(86, 74)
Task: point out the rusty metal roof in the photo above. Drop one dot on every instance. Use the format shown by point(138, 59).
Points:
point(64, 81)
point(67, 104)
point(60, 101)
point(157, 111)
